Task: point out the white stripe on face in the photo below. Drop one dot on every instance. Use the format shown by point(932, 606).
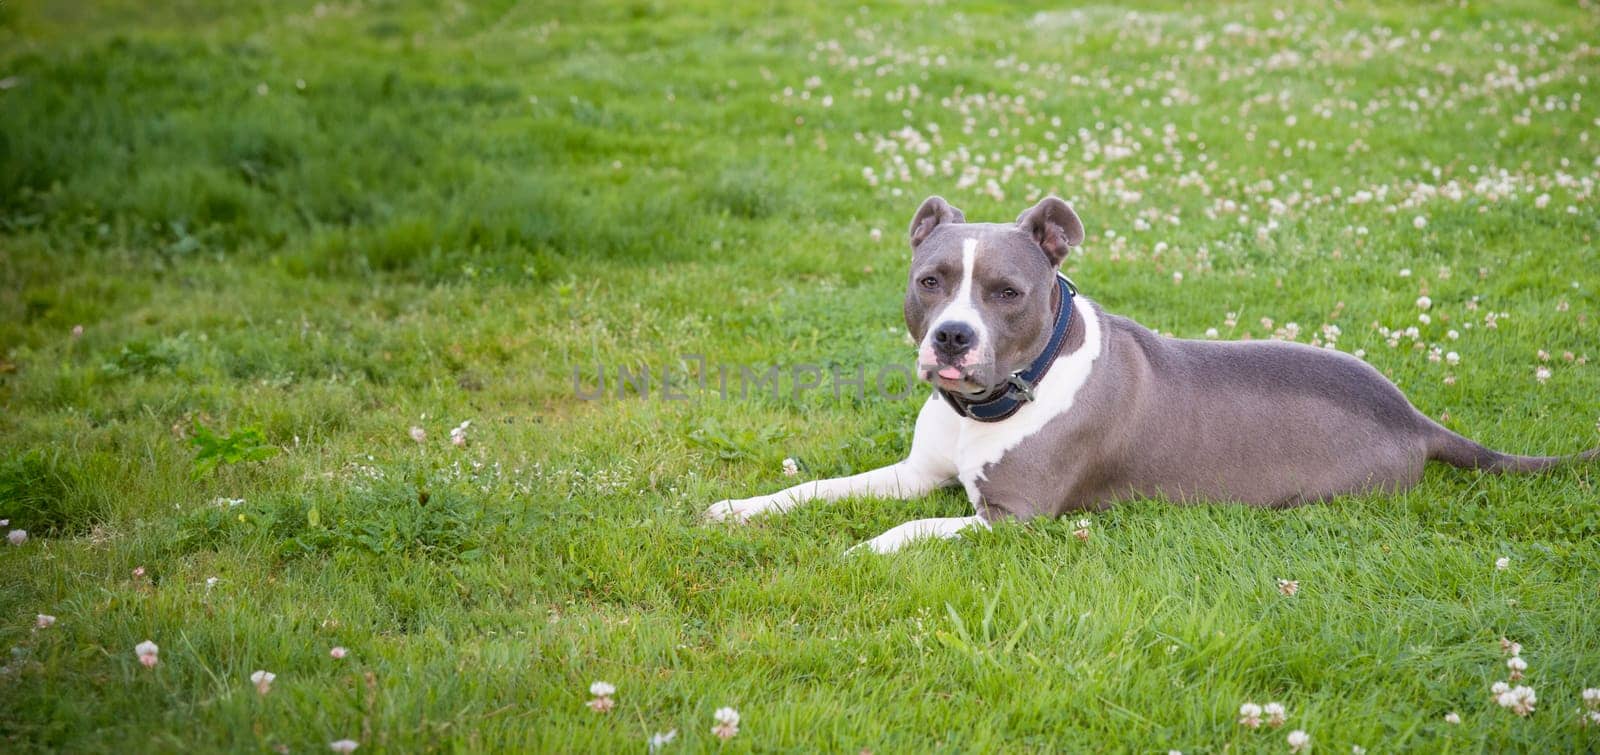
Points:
point(969, 256)
point(963, 309)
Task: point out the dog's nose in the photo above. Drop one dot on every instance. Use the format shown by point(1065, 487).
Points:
point(953, 338)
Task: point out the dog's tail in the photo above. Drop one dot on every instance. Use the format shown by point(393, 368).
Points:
point(1460, 451)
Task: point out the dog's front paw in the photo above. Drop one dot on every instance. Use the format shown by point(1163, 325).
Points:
point(883, 545)
point(903, 535)
point(739, 510)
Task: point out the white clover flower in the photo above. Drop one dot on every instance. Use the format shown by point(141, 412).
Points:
point(344, 745)
point(1519, 700)
point(1517, 666)
point(337, 653)
point(149, 653)
point(1276, 715)
point(660, 739)
point(1452, 718)
point(458, 434)
point(17, 537)
point(1299, 741)
point(790, 468)
point(211, 582)
point(1419, 222)
point(1525, 701)
point(1250, 715)
point(1502, 563)
point(1287, 587)
point(602, 702)
point(419, 435)
point(1424, 303)
point(263, 681)
point(1591, 697)
point(1542, 374)
point(1452, 358)
point(727, 723)
point(44, 621)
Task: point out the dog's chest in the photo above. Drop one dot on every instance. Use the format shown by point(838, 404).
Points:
point(977, 447)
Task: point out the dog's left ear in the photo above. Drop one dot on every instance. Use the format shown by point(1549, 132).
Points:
point(1054, 226)
point(933, 213)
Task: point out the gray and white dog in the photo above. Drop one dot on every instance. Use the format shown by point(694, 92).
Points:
point(1044, 404)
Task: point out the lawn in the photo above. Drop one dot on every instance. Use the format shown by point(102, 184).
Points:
point(247, 247)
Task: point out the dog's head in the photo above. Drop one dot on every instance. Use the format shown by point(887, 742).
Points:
point(980, 298)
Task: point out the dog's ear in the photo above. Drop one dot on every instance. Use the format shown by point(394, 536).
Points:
point(933, 213)
point(1054, 226)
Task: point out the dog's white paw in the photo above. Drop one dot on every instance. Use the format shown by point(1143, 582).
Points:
point(883, 545)
point(903, 535)
point(893, 540)
point(739, 510)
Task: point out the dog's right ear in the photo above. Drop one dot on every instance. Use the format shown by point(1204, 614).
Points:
point(933, 213)
point(1054, 226)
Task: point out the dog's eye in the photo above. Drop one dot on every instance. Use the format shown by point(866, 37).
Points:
point(1007, 293)
point(929, 282)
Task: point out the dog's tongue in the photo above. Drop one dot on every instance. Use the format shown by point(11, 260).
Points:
point(950, 373)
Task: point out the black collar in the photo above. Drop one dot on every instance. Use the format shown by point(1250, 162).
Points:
point(1018, 388)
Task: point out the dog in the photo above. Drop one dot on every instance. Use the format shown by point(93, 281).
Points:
point(1045, 404)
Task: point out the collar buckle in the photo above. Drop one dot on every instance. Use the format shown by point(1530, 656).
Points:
point(1020, 386)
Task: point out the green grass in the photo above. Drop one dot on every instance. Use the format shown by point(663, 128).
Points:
point(330, 222)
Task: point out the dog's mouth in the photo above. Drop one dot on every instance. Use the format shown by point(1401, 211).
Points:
point(954, 379)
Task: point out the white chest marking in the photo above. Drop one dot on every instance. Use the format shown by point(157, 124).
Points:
point(979, 444)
